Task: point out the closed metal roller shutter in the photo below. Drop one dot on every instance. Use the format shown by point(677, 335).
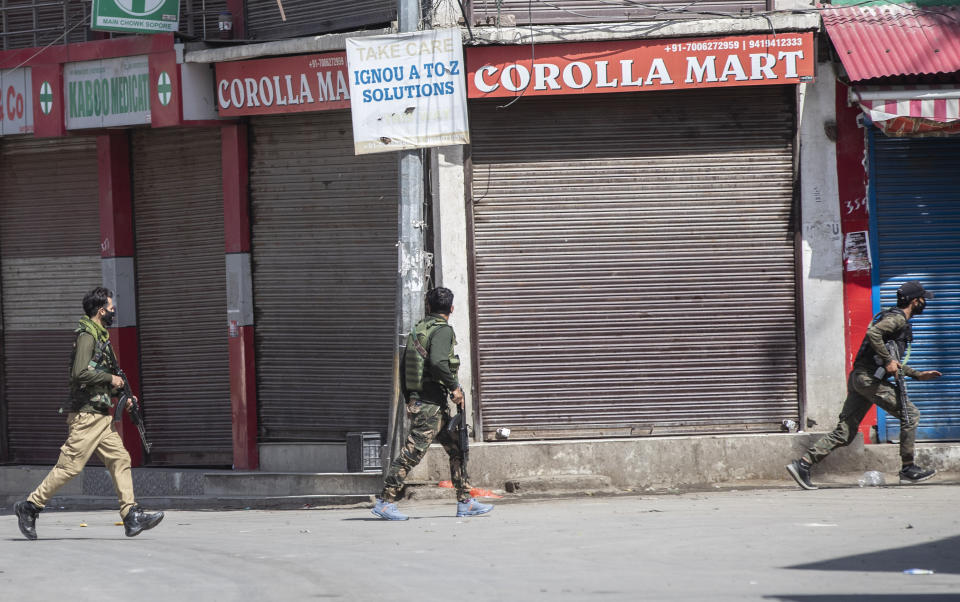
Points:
point(918, 235)
point(586, 11)
point(324, 278)
point(306, 17)
point(49, 258)
point(181, 295)
point(634, 263)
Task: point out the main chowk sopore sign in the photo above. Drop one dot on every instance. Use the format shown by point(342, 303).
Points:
point(639, 65)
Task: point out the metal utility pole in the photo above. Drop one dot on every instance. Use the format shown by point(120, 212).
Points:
point(411, 276)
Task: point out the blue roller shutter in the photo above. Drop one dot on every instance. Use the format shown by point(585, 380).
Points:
point(916, 229)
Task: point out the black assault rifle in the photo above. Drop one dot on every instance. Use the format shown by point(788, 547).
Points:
point(898, 379)
point(135, 416)
point(457, 430)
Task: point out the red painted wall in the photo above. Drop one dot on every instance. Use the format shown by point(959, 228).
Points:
point(239, 24)
point(236, 204)
point(854, 217)
point(236, 226)
point(116, 240)
point(116, 208)
point(243, 396)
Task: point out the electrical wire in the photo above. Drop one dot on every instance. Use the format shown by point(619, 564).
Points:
point(466, 20)
point(533, 56)
point(45, 48)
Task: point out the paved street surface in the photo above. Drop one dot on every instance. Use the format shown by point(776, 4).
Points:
point(839, 544)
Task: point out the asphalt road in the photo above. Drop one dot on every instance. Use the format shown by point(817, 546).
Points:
point(842, 544)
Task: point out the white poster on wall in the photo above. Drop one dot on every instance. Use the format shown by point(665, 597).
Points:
point(856, 251)
point(407, 91)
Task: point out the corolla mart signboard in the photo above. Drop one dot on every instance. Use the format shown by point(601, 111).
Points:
point(137, 16)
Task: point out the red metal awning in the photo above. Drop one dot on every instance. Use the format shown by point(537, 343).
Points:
point(895, 39)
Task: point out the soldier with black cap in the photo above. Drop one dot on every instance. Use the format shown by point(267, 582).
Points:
point(864, 388)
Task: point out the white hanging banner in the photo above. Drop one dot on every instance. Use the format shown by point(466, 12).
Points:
point(407, 91)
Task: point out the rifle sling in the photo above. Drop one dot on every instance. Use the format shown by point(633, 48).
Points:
point(420, 348)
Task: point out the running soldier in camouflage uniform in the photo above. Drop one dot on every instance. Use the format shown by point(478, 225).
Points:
point(428, 378)
point(864, 389)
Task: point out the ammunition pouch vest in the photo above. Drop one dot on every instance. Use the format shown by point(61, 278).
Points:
point(97, 396)
point(417, 354)
point(903, 338)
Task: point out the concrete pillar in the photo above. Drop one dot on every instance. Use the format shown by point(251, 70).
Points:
point(822, 251)
point(451, 254)
point(236, 226)
point(237, 13)
point(117, 252)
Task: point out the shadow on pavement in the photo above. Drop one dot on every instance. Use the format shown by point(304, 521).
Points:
point(32, 541)
point(941, 556)
point(866, 598)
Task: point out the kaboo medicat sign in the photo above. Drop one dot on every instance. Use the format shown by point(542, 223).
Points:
point(407, 91)
point(138, 16)
point(108, 92)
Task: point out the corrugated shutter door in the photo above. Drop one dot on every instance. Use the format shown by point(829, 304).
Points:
point(918, 235)
point(304, 17)
point(182, 295)
point(586, 11)
point(49, 258)
point(324, 277)
point(635, 263)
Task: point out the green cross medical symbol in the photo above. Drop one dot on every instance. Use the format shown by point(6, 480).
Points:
point(164, 89)
point(46, 98)
point(139, 8)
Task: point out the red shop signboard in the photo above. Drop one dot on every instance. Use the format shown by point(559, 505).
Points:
point(294, 84)
point(639, 65)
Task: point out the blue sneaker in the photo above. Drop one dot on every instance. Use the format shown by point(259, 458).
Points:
point(472, 507)
point(387, 510)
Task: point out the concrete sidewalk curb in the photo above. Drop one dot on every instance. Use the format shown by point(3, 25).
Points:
point(526, 469)
point(294, 502)
point(430, 493)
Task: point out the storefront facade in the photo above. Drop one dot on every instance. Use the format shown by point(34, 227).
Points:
point(323, 224)
point(633, 227)
point(624, 235)
point(72, 191)
point(899, 122)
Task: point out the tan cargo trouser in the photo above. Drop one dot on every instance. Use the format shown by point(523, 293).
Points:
point(89, 433)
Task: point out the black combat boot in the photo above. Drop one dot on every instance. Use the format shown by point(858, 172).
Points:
point(800, 471)
point(910, 473)
point(137, 520)
point(27, 513)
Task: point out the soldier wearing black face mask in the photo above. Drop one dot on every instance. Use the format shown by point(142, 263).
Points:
point(93, 380)
point(864, 388)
